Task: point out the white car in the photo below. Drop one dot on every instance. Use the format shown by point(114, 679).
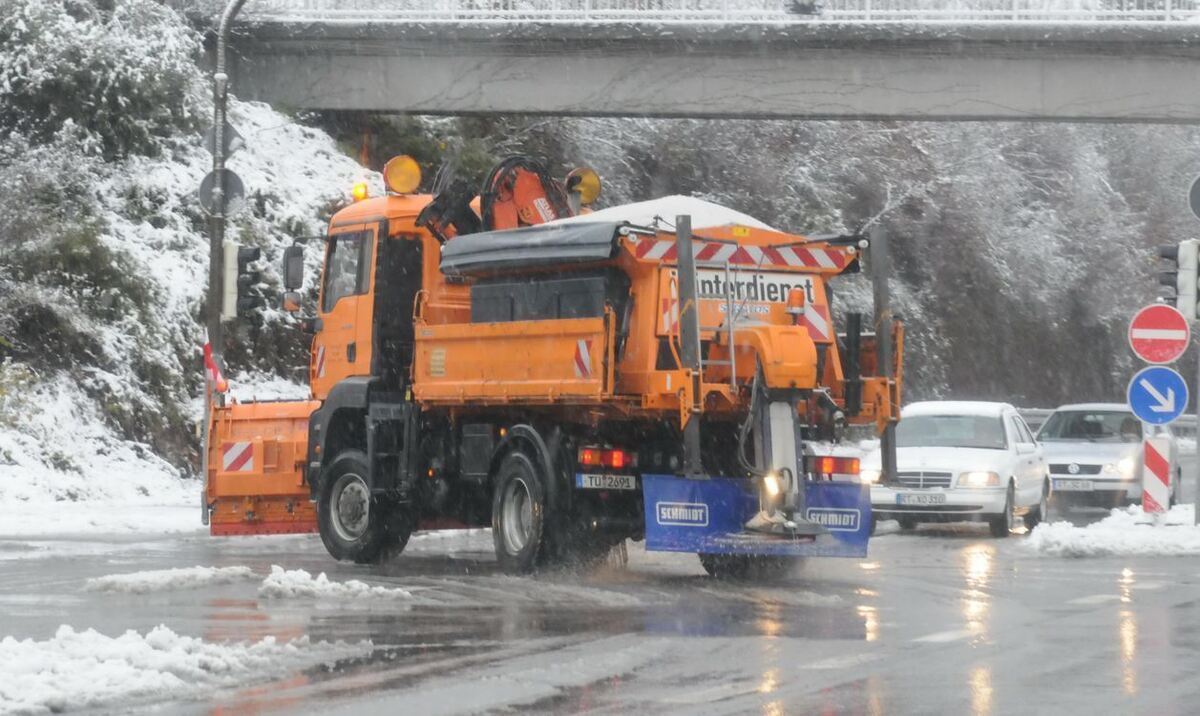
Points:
point(1095, 454)
point(961, 461)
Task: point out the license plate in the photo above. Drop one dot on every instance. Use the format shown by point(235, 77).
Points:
point(1074, 485)
point(606, 482)
point(932, 498)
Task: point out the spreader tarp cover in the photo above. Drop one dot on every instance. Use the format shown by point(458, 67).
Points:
point(545, 245)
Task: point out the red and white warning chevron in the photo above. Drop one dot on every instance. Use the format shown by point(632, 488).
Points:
point(583, 358)
point(1156, 477)
point(237, 457)
point(670, 310)
point(721, 252)
point(816, 319)
point(321, 361)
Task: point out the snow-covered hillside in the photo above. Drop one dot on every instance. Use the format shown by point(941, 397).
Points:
point(104, 251)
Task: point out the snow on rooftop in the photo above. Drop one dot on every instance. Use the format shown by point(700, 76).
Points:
point(297, 583)
point(663, 211)
point(1124, 532)
point(1109, 407)
point(953, 407)
point(81, 669)
point(165, 580)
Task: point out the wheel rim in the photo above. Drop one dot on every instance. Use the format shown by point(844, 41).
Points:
point(516, 515)
point(350, 507)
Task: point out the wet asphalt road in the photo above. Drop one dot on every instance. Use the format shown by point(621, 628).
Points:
point(944, 620)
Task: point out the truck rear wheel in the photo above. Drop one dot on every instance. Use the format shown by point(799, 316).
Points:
point(519, 513)
point(353, 525)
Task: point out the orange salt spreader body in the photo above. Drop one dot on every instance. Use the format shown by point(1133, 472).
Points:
point(554, 379)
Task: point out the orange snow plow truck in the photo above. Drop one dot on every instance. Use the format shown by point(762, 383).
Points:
point(658, 371)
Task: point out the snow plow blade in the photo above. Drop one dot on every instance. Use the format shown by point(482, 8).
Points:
point(254, 483)
point(708, 516)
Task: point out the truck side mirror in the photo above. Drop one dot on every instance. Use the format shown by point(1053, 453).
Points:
point(293, 268)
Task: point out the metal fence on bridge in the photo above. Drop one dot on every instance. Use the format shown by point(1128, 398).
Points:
point(732, 11)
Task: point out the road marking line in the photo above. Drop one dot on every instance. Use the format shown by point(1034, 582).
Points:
point(944, 636)
point(1094, 599)
point(843, 662)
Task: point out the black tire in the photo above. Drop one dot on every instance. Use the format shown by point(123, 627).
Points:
point(519, 513)
point(354, 526)
point(1002, 524)
point(1041, 513)
point(908, 524)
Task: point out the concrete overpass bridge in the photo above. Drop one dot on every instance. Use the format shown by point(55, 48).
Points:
point(989, 60)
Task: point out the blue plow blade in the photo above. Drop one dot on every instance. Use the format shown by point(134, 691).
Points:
point(708, 516)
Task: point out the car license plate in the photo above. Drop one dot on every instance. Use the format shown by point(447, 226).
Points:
point(606, 482)
point(921, 498)
point(1074, 485)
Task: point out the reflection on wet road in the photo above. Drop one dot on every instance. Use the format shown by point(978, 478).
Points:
point(944, 620)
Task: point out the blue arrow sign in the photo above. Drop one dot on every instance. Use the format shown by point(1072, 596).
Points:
point(1157, 395)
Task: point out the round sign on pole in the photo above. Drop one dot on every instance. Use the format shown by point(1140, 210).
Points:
point(235, 193)
point(1194, 197)
point(1157, 395)
point(1159, 334)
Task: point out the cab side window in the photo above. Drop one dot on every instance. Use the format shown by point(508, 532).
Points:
point(346, 267)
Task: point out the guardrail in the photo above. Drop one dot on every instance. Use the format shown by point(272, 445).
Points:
point(731, 11)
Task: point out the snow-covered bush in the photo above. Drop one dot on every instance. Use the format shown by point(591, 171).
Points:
point(120, 75)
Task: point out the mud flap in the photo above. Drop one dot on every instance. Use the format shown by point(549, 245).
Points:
point(707, 516)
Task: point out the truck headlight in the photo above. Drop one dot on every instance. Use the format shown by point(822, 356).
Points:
point(979, 478)
point(868, 476)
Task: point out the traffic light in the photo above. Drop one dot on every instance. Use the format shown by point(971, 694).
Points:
point(241, 292)
point(1185, 278)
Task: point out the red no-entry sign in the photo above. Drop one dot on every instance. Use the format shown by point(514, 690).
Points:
point(1159, 334)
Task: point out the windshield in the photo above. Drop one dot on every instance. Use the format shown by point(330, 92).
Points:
point(1092, 426)
point(966, 431)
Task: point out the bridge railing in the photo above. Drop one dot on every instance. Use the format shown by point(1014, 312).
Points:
point(752, 11)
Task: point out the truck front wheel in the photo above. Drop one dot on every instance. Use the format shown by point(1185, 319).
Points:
point(518, 513)
point(353, 525)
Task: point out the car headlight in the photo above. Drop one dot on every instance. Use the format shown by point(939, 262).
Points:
point(869, 477)
point(1126, 466)
point(979, 478)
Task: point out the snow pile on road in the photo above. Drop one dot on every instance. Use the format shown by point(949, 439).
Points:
point(81, 669)
point(1126, 531)
point(166, 580)
point(297, 583)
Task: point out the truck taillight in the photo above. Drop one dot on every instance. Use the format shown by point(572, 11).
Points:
point(830, 465)
point(611, 458)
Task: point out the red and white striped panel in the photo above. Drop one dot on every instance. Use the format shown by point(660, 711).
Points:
point(721, 252)
point(816, 319)
point(1156, 477)
point(237, 457)
point(321, 361)
point(583, 358)
point(670, 310)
